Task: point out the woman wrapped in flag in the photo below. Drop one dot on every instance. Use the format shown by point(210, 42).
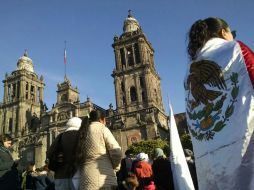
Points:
point(220, 106)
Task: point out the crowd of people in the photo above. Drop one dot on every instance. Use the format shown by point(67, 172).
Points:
point(91, 158)
point(87, 156)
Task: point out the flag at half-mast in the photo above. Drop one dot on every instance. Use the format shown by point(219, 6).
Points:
point(65, 56)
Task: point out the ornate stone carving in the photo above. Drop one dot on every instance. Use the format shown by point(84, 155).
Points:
point(62, 116)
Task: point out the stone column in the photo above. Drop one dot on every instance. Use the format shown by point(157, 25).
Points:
point(142, 50)
point(119, 103)
point(139, 98)
point(21, 124)
point(127, 93)
point(21, 92)
point(5, 92)
point(16, 90)
point(41, 93)
point(35, 94)
point(117, 58)
point(11, 90)
point(29, 91)
point(133, 54)
point(147, 85)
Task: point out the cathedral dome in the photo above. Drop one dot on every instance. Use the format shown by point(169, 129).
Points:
point(25, 63)
point(130, 24)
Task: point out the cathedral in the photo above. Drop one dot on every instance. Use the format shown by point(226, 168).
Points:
point(139, 112)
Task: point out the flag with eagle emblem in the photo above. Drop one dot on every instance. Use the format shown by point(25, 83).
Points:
point(220, 114)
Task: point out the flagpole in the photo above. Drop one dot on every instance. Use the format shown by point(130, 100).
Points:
point(169, 112)
point(65, 60)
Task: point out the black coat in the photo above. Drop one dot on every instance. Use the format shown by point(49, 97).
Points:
point(68, 143)
point(30, 181)
point(163, 177)
point(11, 180)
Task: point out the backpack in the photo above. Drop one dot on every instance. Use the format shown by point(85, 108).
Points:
point(128, 163)
point(56, 159)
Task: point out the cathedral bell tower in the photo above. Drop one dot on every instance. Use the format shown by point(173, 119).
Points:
point(23, 97)
point(137, 84)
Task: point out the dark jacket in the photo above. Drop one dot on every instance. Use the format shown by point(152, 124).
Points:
point(125, 169)
point(11, 180)
point(163, 177)
point(68, 145)
point(9, 176)
point(43, 182)
point(6, 160)
point(30, 181)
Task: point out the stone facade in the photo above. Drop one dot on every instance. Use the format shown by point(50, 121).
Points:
point(25, 115)
point(139, 112)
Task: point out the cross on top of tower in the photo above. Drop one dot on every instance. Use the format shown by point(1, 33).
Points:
point(26, 54)
point(129, 15)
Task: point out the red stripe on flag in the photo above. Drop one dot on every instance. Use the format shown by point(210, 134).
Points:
point(249, 60)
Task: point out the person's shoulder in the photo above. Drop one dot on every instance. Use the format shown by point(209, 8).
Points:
point(70, 133)
point(97, 124)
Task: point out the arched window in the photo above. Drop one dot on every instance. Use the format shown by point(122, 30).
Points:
point(133, 94)
point(124, 100)
point(143, 96)
point(122, 87)
point(137, 54)
point(122, 54)
point(130, 56)
point(142, 83)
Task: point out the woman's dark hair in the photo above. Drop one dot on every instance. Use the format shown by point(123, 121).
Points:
point(96, 115)
point(30, 166)
point(4, 138)
point(203, 30)
point(80, 149)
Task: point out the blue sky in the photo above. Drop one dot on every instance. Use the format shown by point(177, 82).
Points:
point(42, 26)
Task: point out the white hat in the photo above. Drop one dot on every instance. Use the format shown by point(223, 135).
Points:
point(73, 124)
point(142, 156)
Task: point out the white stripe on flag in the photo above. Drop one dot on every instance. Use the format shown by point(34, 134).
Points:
point(65, 57)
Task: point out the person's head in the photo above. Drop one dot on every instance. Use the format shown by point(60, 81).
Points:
point(73, 124)
point(6, 140)
point(188, 153)
point(128, 153)
point(97, 115)
point(30, 167)
point(142, 157)
point(158, 153)
point(203, 30)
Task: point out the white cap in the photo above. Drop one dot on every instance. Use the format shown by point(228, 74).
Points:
point(142, 156)
point(73, 124)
